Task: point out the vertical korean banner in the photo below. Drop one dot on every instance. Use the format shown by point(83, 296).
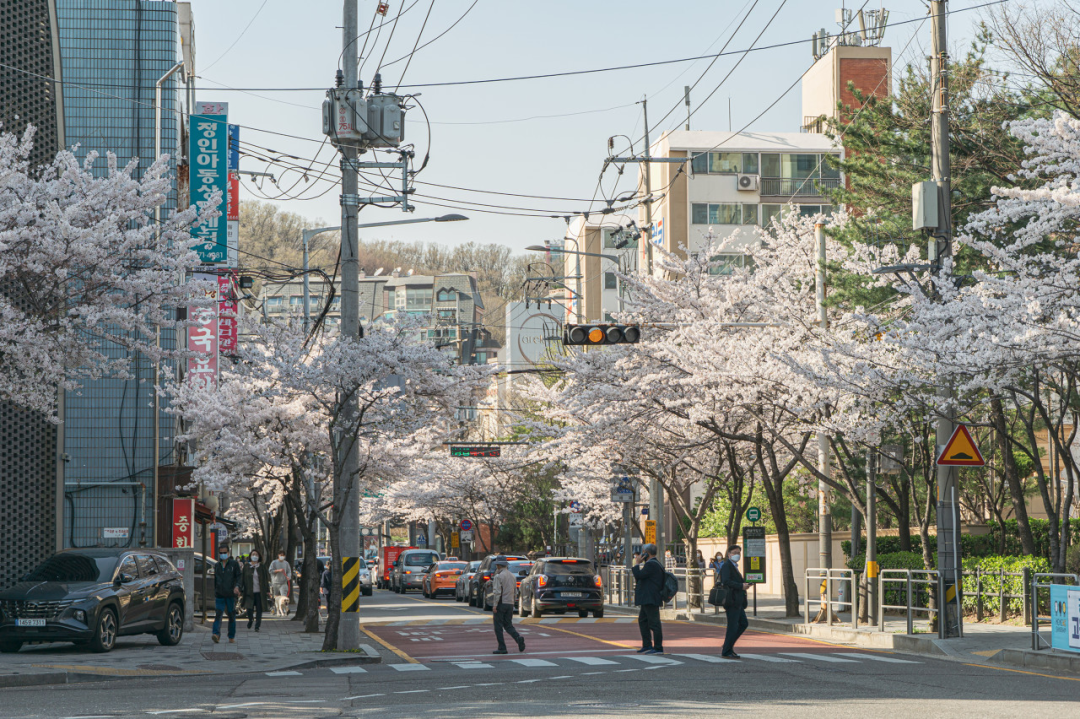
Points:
point(226, 315)
point(233, 215)
point(208, 151)
point(183, 529)
point(203, 337)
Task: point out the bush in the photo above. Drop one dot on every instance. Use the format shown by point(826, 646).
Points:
point(1072, 560)
point(1040, 534)
point(991, 569)
point(896, 594)
point(972, 545)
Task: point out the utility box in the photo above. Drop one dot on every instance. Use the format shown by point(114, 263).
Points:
point(345, 116)
point(385, 120)
point(924, 206)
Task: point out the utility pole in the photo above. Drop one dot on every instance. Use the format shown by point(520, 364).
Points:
point(940, 249)
point(349, 519)
point(686, 97)
point(824, 515)
point(871, 535)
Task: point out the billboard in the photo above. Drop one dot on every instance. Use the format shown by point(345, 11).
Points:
point(203, 338)
point(227, 332)
point(208, 151)
point(183, 527)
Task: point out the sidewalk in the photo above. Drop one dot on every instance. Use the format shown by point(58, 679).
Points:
point(280, 645)
point(982, 643)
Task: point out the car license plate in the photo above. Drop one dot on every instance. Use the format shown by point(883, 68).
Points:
point(573, 595)
point(29, 622)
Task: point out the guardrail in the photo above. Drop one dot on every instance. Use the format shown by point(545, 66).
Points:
point(1037, 641)
point(693, 594)
point(911, 578)
point(974, 592)
point(845, 577)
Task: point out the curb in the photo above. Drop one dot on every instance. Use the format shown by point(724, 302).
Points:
point(75, 677)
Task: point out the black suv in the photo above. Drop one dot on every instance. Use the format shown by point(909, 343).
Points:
point(561, 584)
point(92, 596)
point(477, 590)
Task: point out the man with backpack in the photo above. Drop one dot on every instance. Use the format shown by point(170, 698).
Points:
point(649, 595)
point(735, 602)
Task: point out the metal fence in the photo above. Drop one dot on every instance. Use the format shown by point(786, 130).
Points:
point(920, 589)
point(1037, 641)
point(980, 586)
point(841, 579)
point(693, 594)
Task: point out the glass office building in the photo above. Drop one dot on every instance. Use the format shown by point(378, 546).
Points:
point(112, 53)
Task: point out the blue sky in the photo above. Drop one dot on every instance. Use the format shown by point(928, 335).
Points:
point(480, 137)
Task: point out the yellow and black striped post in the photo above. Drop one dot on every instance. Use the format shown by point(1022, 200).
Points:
point(350, 584)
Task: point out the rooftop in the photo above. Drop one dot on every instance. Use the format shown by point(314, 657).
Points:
point(761, 141)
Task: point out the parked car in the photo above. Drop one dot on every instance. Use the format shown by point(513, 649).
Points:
point(365, 580)
point(92, 596)
point(199, 582)
point(559, 585)
point(410, 568)
point(461, 586)
point(386, 565)
point(441, 578)
point(479, 581)
point(520, 569)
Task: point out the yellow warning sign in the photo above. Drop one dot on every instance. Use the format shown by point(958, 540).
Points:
point(455, 540)
point(961, 450)
point(650, 531)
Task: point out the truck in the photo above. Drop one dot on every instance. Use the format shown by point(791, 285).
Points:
point(386, 564)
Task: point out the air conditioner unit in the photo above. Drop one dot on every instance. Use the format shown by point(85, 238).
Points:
point(748, 183)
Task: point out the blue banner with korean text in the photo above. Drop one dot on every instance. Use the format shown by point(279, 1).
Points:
point(208, 153)
point(1065, 617)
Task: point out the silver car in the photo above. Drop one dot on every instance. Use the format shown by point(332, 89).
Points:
point(410, 568)
point(365, 580)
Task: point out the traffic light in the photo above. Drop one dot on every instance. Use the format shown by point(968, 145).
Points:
point(605, 334)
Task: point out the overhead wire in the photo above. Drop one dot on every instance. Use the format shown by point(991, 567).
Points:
point(420, 34)
point(242, 32)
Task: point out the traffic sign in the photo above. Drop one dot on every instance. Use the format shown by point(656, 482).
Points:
point(421, 539)
point(754, 551)
point(753, 514)
point(466, 535)
point(465, 525)
point(474, 451)
point(575, 507)
point(622, 490)
point(961, 450)
point(455, 540)
point(650, 531)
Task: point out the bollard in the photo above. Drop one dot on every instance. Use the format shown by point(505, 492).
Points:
point(1002, 614)
point(978, 595)
point(1031, 608)
point(910, 627)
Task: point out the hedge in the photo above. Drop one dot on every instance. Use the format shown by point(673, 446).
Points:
point(972, 545)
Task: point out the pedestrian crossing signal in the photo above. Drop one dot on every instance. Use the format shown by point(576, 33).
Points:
point(601, 334)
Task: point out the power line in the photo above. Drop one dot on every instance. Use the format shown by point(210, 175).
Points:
point(228, 49)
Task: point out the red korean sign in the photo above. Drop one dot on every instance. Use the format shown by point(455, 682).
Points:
point(233, 204)
point(183, 526)
point(203, 337)
point(227, 307)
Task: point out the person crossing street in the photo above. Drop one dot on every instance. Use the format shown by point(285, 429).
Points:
point(227, 578)
point(503, 585)
point(735, 603)
point(649, 574)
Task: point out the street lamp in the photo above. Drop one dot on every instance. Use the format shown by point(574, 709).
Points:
point(306, 236)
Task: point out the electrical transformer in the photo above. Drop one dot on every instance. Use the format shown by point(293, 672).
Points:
point(345, 117)
point(385, 121)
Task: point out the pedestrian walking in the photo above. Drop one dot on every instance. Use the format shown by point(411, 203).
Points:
point(649, 575)
point(227, 575)
point(325, 583)
point(255, 586)
point(503, 586)
point(281, 574)
point(735, 603)
point(669, 560)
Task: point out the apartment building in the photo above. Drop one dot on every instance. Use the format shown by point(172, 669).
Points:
point(594, 291)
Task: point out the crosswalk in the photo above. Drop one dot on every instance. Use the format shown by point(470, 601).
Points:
point(623, 660)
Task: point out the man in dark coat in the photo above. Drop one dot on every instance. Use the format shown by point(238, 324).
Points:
point(227, 577)
point(649, 574)
point(735, 604)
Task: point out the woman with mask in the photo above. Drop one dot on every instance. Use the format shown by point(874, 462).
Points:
point(715, 564)
point(280, 575)
point(735, 603)
point(255, 586)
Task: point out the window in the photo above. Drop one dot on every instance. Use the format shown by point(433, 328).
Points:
point(808, 210)
point(335, 304)
point(749, 214)
point(725, 264)
point(829, 170)
point(728, 163)
point(445, 295)
point(273, 303)
point(390, 299)
point(725, 214)
point(699, 213)
point(415, 300)
point(617, 240)
point(608, 317)
point(447, 315)
point(296, 301)
point(700, 163)
point(611, 282)
point(146, 565)
point(750, 163)
point(798, 166)
point(128, 567)
point(772, 213)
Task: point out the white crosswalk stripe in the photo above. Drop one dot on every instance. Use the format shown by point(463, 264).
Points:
point(590, 661)
point(534, 663)
point(472, 665)
point(348, 670)
point(283, 674)
point(410, 667)
point(652, 659)
point(769, 658)
point(710, 658)
point(876, 658)
point(819, 657)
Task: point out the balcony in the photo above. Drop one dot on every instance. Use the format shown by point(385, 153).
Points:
point(788, 187)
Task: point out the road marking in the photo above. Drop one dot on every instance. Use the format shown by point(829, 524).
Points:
point(529, 681)
point(413, 691)
point(711, 658)
point(586, 620)
point(409, 667)
point(589, 674)
point(472, 665)
point(282, 674)
point(463, 686)
point(627, 670)
point(595, 639)
point(625, 620)
point(590, 661)
point(388, 645)
point(819, 657)
point(1021, 671)
point(876, 658)
point(548, 621)
point(245, 704)
point(534, 663)
point(768, 658)
point(348, 670)
point(565, 676)
point(177, 711)
point(652, 659)
point(362, 696)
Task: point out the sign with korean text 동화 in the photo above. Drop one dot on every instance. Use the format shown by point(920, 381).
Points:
point(753, 564)
point(183, 523)
point(227, 308)
point(208, 150)
point(202, 336)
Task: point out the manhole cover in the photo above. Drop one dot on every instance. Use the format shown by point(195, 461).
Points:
point(222, 656)
point(160, 667)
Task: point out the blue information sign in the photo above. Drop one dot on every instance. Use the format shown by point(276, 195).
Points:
point(1065, 617)
point(208, 153)
point(234, 147)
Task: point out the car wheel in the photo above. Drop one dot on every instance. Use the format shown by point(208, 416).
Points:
point(104, 632)
point(487, 607)
point(367, 592)
point(582, 613)
point(472, 599)
point(170, 635)
point(10, 647)
point(536, 610)
point(598, 613)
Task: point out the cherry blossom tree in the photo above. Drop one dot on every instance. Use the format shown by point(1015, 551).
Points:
point(83, 268)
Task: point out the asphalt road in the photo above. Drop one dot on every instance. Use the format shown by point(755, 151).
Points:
point(438, 664)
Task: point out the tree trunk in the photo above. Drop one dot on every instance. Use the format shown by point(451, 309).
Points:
point(1012, 476)
point(292, 517)
point(776, 506)
point(333, 602)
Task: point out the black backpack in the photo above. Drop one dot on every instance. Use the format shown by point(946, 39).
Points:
point(669, 588)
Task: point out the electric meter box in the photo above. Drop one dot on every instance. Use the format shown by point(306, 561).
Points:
point(345, 116)
point(385, 120)
point(924, 206)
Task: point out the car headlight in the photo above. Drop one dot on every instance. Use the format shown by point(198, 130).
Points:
point(79, 615)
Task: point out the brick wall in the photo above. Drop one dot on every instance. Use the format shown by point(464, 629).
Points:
point(869, 76)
